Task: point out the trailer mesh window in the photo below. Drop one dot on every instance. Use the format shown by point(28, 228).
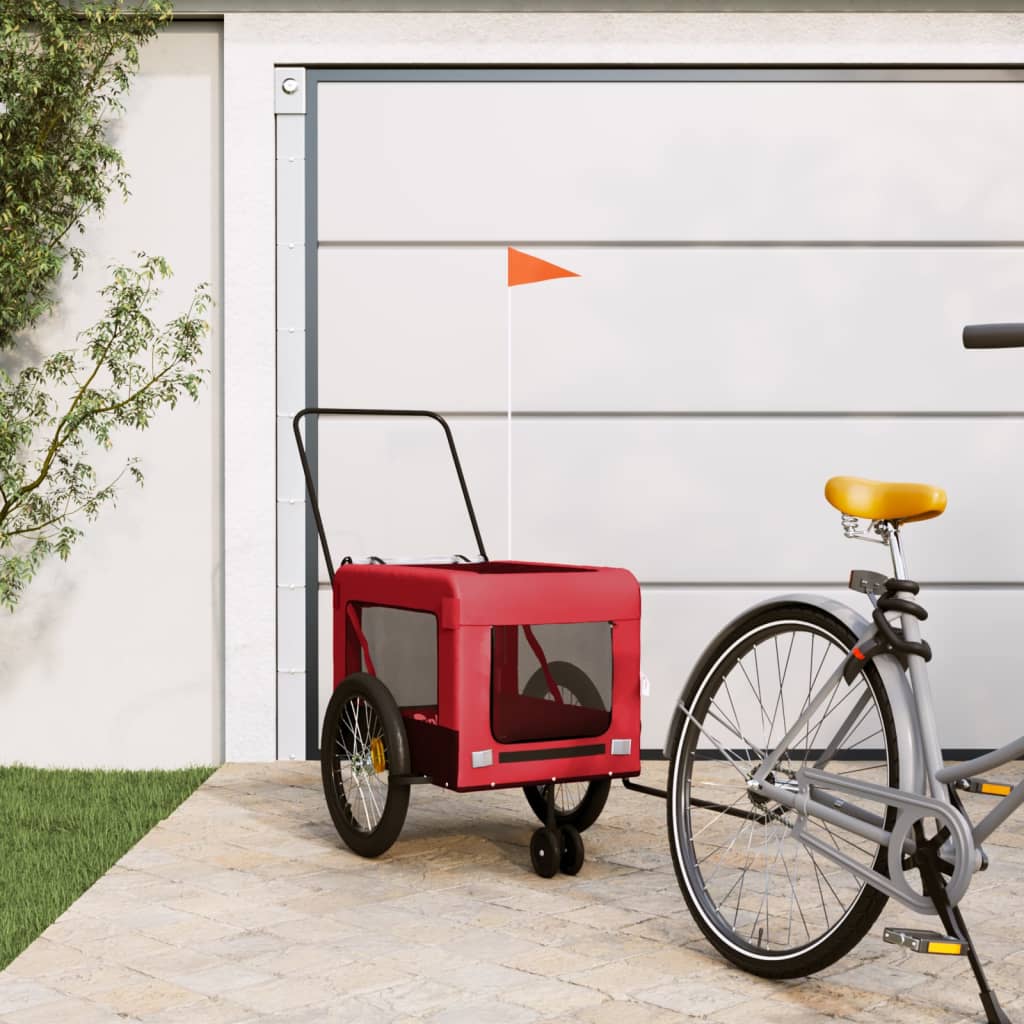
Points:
point(551, 682)
point(403, 649)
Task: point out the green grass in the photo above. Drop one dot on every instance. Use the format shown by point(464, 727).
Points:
point(61, 830)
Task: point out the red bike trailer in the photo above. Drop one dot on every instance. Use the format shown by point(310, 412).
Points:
point(477, 675)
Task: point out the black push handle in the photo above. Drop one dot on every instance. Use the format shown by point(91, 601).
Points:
point(994, 336)
point(311, 486)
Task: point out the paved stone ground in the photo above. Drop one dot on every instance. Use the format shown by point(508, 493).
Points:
point(244, 907)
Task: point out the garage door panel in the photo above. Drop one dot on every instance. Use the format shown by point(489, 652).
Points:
point(499, 161)
point(675, 500)
point(776, 330)
point(971, 632)
point(413, 328)
point(670, 329)
point(740, 500)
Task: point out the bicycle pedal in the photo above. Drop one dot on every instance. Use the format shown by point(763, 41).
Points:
point(919, 941)
point(984, 786)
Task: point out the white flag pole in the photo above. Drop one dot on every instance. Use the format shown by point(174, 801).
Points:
point(529, 270)
point(508, 421)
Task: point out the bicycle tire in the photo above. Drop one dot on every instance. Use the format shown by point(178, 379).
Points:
point(695, 830)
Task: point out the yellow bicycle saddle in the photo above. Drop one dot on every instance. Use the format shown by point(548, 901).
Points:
point(897, 503)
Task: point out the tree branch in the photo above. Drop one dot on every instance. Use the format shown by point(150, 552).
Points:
point(11, 503)
point(67, 513)
point(87, 91)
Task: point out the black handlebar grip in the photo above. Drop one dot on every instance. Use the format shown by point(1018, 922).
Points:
point(994, 336)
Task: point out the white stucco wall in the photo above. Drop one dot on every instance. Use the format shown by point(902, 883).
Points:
point(115, 657)
point(253, 44)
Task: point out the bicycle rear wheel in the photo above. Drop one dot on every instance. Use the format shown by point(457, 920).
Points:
point(765, 900)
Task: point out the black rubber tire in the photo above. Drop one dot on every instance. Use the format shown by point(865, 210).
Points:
point(361, 697)
point(545, 852)
point(586, 806)
point(836, 939)
point(572, 851)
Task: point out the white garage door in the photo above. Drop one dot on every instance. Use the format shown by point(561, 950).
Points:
point(773, 278)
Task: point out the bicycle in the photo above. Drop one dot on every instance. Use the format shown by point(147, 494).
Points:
point(790, 832)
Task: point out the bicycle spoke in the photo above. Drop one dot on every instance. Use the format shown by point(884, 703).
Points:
point(734, 762)
point(818, 877)
point(362, 787)
point(718, 814)
point(755, 692)
point(866, 768)
point(763, 938)
point(739, 735)
point(761, 887)
point(728, 693)
point(727, 850)
point(793, 901)
point(828, 712)
point(743, 876)
point(779, 703)
point(850, 842)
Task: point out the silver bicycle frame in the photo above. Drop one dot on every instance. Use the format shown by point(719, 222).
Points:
point(924, 780)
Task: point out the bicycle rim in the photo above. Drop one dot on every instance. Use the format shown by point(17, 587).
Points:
point(758, 892)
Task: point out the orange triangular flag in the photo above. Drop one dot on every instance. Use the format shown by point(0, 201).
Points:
point(526, 269)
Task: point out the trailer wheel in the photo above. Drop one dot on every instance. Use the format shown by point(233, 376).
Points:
point(576, 803)
point(363, 745)
point(572, 850)
point(545, 852)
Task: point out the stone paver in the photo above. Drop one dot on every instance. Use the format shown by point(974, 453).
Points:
point(244, 907)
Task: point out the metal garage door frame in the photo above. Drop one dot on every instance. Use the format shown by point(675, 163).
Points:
point(296, 113)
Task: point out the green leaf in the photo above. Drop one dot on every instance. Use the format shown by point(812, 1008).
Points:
point(64, 69)
point(53, 416)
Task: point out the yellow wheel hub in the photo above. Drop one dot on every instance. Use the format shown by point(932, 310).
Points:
point(377, 755)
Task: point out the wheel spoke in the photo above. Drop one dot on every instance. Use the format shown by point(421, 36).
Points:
point(750, 747)
point(718, 814)
point(729, 758)
point(761, 888)
point(363, 790)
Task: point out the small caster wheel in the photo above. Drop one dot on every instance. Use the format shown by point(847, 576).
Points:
point(572, 850)
point(544, 852)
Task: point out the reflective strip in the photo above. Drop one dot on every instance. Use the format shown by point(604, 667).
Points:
point(946, 948)
point(995, 789)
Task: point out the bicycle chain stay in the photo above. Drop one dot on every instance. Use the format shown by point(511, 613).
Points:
point(910, 809)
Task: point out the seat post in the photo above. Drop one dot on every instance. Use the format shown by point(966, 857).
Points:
point(892, 537)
